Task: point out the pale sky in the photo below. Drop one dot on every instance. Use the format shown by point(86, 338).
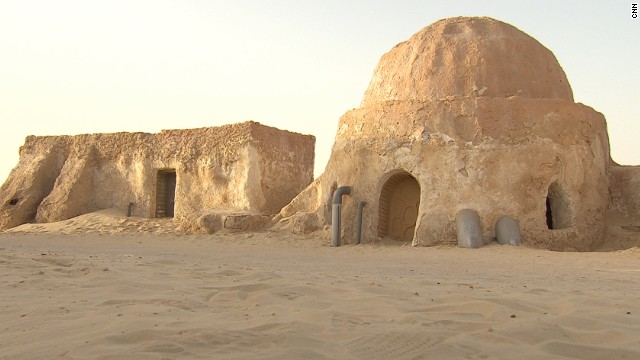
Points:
point(89, 66)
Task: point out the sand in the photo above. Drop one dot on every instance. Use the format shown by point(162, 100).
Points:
point(95, 288)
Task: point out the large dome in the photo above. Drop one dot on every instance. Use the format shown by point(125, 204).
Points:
point(465, 57)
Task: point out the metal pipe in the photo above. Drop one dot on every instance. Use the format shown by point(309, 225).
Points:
point(337, 195)
point(335, 213)
point(335, 225)
point(359, 222)
point(508, 231)
point(469, 229)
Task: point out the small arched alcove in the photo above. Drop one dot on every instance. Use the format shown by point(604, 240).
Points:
point(558, 214)
point(398, 207)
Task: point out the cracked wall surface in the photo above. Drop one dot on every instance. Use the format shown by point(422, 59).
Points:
point(243, 167)
point(483, 117)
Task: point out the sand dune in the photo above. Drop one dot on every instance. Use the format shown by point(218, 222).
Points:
point(95, 295)
point(108, 221)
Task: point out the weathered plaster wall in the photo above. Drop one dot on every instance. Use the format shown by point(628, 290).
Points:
point(482, 116)
point(495, 155)
point(624, 190)
point(284, 165)
point(59, 177)
point(30, 182)
point(467, 56)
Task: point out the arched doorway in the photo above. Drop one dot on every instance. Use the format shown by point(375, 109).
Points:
point(558, 214)
point(398, 208)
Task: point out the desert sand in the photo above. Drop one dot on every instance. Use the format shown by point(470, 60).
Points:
point(95, 287)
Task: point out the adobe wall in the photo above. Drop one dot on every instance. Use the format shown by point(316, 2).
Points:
point(284, 164)
point(495, 155)
point(478, 115)
point(59, 177)
point(624, 190)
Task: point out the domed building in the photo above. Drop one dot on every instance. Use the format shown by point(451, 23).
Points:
point(469, 113)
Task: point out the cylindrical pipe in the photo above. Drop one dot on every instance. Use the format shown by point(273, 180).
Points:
point(469, 229)
point(359, 222)
point(508, 231)
point(335, 213)
point(337, 195)
point(335, 225)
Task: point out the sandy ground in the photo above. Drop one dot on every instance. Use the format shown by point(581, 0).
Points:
point(111, 294)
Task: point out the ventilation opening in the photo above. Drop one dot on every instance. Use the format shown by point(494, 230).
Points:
point(399, 204)
point(558, 214)
point(165, 193)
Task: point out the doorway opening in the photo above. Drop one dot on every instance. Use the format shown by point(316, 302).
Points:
point(558, 209)
point(165, 193)
point(398, 207)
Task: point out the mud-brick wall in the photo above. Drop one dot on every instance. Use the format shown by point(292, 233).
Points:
point(282, 166)
point(244, 166)
point(624, 190)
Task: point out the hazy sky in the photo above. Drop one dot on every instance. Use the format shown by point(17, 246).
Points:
point(87, 66)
